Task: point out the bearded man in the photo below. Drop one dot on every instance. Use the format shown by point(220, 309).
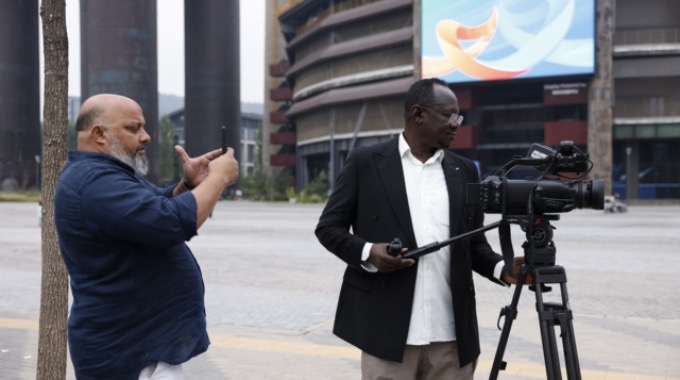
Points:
point(138, 296)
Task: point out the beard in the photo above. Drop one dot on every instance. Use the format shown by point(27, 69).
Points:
point(138, 162)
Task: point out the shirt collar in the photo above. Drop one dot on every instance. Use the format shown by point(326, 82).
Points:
point(405, 151)
point(76, 155)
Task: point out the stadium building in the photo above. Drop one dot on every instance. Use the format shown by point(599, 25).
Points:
point(604, 74)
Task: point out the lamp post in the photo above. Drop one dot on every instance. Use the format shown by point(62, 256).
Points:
point(631, 182)
point(175, 161)
point(37, 171)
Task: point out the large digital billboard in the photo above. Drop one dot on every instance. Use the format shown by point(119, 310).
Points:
point(487, 40)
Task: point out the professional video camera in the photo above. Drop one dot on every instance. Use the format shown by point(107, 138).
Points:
point(498, 194)
point(532, 204)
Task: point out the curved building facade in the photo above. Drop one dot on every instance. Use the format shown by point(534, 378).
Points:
point(349, 62)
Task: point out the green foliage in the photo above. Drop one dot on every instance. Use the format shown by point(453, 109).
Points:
point(20, 196)
point(71, 137)
point(254, 186)
point(257, 186)
point(260, 187)
point(316, 191)
point(166, 150)
point(279, 185)
point(290, 193)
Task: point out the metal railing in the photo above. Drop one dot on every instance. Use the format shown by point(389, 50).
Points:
point(647, 107)
point(647, 37)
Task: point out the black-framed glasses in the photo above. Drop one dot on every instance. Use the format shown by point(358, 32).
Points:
point(453, 117)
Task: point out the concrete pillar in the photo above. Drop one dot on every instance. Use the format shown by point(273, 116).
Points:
point(19, 93)
point(212, 79)
point(119, 56)
point(601, 97)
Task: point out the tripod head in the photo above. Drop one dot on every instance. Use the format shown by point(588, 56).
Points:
point(539, 248)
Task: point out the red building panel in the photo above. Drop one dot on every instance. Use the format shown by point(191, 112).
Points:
point(557, 131)
point(281, 138)
point(280, 94)
point(278, 117)
point(278, 70)
point(466, 137)
point(465, 98)
point(282, 160)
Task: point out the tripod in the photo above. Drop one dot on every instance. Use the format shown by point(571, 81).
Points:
point(539, 262)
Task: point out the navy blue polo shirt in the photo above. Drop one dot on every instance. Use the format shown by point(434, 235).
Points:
point(137, 288)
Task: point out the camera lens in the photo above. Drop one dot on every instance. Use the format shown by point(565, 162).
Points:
point(589, 194)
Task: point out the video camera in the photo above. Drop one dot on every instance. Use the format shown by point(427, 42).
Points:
point(498, 194)
point(531, 203)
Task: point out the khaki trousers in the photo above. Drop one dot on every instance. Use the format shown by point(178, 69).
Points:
point(434, 361)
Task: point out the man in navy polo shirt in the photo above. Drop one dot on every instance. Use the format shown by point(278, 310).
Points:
point(138, 309)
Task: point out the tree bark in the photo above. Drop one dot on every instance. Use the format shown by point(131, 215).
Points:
point(601, 99)
point(54, 284)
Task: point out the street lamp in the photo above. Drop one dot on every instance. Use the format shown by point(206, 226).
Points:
point(37, 171)
point(175, 160)
point(630, 179)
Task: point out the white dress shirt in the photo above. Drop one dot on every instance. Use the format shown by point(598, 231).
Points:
point(432, 318)
point(428, 201)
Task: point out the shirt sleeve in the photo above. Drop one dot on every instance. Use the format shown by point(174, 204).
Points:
point(498, 270)
point(118, 205)
point(365, 253)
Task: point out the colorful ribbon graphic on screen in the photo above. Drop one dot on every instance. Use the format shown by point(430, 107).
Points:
point(526, 38)
point(449, 35)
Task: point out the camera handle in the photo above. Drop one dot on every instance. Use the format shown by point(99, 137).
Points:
point(395, 247)
point(437, 245)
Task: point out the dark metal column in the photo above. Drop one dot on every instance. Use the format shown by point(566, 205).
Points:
point(212, 79)
point(119, 56)
point(19, 92)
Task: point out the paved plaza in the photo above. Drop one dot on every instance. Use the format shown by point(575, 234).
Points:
point(271, 291)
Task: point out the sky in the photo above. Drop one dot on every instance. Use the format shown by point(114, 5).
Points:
point(171, 47)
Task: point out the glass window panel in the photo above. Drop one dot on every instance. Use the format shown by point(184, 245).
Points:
point(645, 131)
point(623, 132)
point(250, 153)
point(668, 130)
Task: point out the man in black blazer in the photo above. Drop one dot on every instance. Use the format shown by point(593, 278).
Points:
point(411, 318)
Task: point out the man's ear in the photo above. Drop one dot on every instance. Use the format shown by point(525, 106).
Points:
point(98, 135)
point(416, 113)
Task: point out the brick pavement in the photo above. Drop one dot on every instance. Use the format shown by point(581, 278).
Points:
point(271, 292)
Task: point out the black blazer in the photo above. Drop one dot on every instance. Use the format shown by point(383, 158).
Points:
point(374, 309)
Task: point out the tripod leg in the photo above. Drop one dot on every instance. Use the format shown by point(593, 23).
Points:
point(568, 339)
point(510, 313)
point(546, 318)
point(555, 313)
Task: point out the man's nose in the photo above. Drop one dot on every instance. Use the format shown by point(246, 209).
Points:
point(144, 138)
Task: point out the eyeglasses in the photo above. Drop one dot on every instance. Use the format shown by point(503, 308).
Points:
point(453, 117)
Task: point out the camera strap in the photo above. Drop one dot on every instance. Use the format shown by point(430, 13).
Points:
point(506, 245)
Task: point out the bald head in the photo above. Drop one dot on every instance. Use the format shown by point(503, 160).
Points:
point(96, 110)
point(113, 125)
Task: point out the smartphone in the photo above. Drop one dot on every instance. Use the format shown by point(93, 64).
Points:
point(224, 139)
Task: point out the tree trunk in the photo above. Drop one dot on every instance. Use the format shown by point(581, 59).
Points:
point(54, 285)
point(600, 115)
